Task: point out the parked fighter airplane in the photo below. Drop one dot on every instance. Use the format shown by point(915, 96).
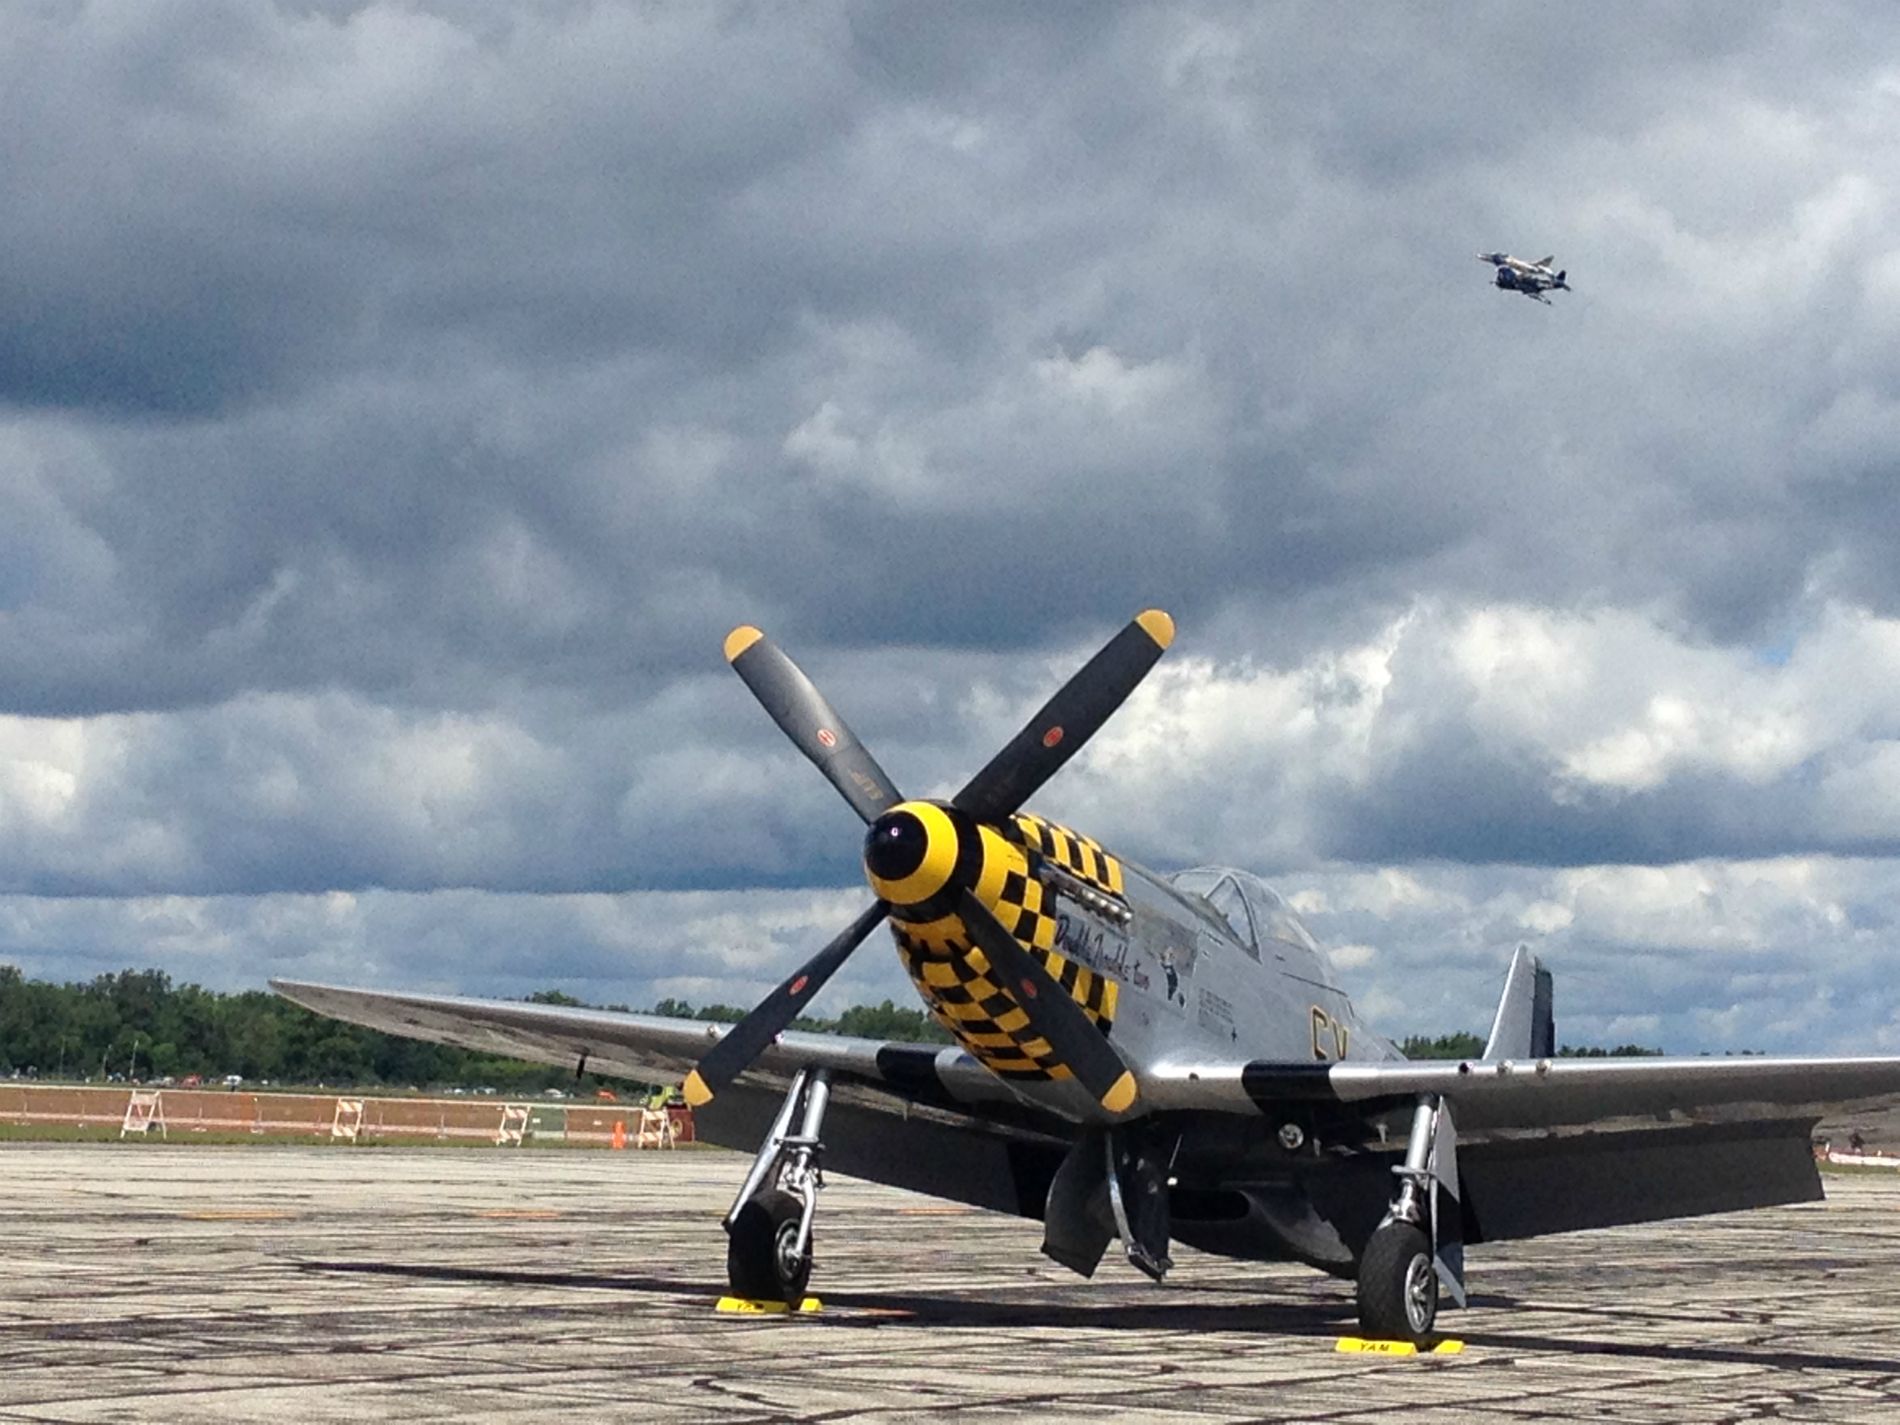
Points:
point(1533, 279)
point(1151, 1059)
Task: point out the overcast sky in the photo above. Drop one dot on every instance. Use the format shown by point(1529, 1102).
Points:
point(399, 403)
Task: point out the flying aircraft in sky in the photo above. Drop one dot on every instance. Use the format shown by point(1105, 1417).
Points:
point(1151, 1059)
point(1533, 279)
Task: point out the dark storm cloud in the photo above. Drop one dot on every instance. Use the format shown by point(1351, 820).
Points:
point(428, 287)
point(226, 200)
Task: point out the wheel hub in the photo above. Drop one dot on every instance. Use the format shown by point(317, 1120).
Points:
point(1421, 1293)
point(786, 1254)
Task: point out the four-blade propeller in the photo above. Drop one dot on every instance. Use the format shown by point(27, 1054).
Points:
point(1034, 755)
point(803, 715)
point(747, 1039)
point(1069, 719)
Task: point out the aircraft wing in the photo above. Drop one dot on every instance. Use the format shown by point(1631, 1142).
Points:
point(921, 1116)
point(1558, 1145)
point(1542, 1093)
point(645, 1048)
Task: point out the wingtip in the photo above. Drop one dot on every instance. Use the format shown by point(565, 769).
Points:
point(740, 639)
point(1121, 1094)
point(1157, 625)
point(695, 1090)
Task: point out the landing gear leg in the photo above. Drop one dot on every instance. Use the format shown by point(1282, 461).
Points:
point(1417, 1246)
point(769, 1229)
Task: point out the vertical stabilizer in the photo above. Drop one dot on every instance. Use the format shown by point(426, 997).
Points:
point(1524, 1027)
point(1543, 1020)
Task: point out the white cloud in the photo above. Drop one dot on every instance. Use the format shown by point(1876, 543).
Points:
point(40, 764)
point(1346, 958)
point(1787, 955)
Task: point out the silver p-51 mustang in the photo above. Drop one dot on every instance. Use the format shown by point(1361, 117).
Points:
point(1533, 279)
point(1150, 1059)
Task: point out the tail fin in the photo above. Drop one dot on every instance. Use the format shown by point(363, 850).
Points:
point(1524, 1027)
point(1546, 261)
point(1560, 278)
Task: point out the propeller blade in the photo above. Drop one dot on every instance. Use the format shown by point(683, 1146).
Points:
point(1068, 720)
point(1052, 1013)
point(746, 1040)
point(814, 726)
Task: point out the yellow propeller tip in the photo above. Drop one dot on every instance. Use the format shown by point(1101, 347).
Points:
point(1121, 1094)
point(740, 639)
point(695, 1090)
point(1157, 625)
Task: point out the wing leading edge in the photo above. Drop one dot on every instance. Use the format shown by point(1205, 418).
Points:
point(643, 1047)
point(1486, 1094)
point(1543, 1093)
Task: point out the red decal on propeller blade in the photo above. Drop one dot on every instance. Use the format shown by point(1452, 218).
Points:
point(798, 985)
point(827, 738)
point(1052, 737)
point(1029, 988)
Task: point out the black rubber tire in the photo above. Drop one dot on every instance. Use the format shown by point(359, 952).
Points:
point(1398, 1287)
point(757, 1263)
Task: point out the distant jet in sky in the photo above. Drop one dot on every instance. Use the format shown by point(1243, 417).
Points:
point(1533, 279)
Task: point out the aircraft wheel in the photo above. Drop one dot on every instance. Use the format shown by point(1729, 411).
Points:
point(1398, 1288)
point(761, 1262)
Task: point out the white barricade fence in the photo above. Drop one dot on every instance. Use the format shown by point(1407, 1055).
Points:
point(514, 1125)
point(656, 1129)
point(348, 1122)
point(142, 1110)
point(340, 1114)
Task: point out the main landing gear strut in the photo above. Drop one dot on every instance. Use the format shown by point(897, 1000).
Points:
point(768, 1230)
point(1420, 1243)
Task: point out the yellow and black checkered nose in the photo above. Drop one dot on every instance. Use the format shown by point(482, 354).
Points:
point(919, 855)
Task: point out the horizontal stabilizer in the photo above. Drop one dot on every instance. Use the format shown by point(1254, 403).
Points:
point(1524, 1027)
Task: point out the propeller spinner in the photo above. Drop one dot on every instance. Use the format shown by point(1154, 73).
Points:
point(922, 858)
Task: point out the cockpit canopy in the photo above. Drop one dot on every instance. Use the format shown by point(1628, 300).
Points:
point(1259, 917)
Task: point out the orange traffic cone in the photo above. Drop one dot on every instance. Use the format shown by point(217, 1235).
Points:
point(620, 1133)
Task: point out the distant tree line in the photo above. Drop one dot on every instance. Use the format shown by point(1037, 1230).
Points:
point(1464, 1045)
point(863, 1021)
point(138, 1024)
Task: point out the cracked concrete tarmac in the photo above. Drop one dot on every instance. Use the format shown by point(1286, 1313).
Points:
point(188, 1283)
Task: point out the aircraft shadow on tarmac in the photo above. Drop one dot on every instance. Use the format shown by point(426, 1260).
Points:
point(883, 1310)
point(860, 1309)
